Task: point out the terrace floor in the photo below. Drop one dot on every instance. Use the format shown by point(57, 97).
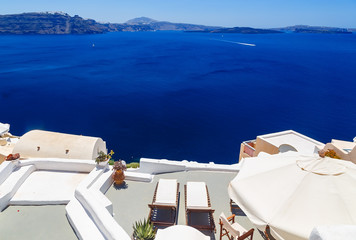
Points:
point(130, 205)
point(130, 202)
point(35, 222)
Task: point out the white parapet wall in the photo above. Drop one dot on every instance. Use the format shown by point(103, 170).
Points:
point(96, 204)
point(81, 222)
point(136, 175)
point(6, 169)
point(157, 166)
point(9, 187)
point(58, 164)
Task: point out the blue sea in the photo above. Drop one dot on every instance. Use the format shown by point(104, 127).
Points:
point(176, 95)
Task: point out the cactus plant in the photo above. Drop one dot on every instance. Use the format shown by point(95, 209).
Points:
point(144, 230)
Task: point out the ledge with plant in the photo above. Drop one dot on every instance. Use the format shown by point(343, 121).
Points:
point(102, 159)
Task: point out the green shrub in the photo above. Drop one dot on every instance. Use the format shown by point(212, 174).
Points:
point(102, 157)
point(133, 165)
point(144, 230)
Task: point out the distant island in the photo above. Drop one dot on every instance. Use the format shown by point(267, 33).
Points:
point(244, 30)
point(62, 23)
point(313, 29)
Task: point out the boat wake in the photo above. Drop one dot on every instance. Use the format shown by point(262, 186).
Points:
point(241, 43)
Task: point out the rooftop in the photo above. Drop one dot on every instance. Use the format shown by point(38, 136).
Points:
point(345, 146)
point(300, 142)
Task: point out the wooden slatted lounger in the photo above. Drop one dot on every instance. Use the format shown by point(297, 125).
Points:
point(165, 198)
point(197, 200)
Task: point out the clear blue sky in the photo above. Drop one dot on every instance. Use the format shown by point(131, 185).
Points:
point(254, 13)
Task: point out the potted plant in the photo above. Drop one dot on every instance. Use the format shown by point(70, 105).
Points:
point(328, 153)
point(118, 172)
point(144, 230)
point(102, 159)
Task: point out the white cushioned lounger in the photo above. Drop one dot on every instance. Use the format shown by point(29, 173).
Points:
point(197, 200)
point(164, 198)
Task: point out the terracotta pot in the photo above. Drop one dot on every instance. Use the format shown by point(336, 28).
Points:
point(119, 177)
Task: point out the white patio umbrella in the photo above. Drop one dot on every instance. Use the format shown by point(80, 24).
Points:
point(179, 232)
point(293, 193)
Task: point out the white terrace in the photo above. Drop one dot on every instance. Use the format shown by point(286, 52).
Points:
point(64, 197)
point(89, 211)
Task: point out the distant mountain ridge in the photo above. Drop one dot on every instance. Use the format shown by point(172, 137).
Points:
point(62, 23)
point(313, 29)
point(141, 20)
point(155, 25)
point(244, 30)
point(48, 23)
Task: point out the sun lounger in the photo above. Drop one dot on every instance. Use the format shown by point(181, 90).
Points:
point(165, 199)
point(197, 202)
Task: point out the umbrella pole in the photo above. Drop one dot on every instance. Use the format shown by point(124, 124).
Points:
point(267, 231)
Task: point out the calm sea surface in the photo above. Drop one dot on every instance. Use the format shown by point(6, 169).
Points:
point(180, 95)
